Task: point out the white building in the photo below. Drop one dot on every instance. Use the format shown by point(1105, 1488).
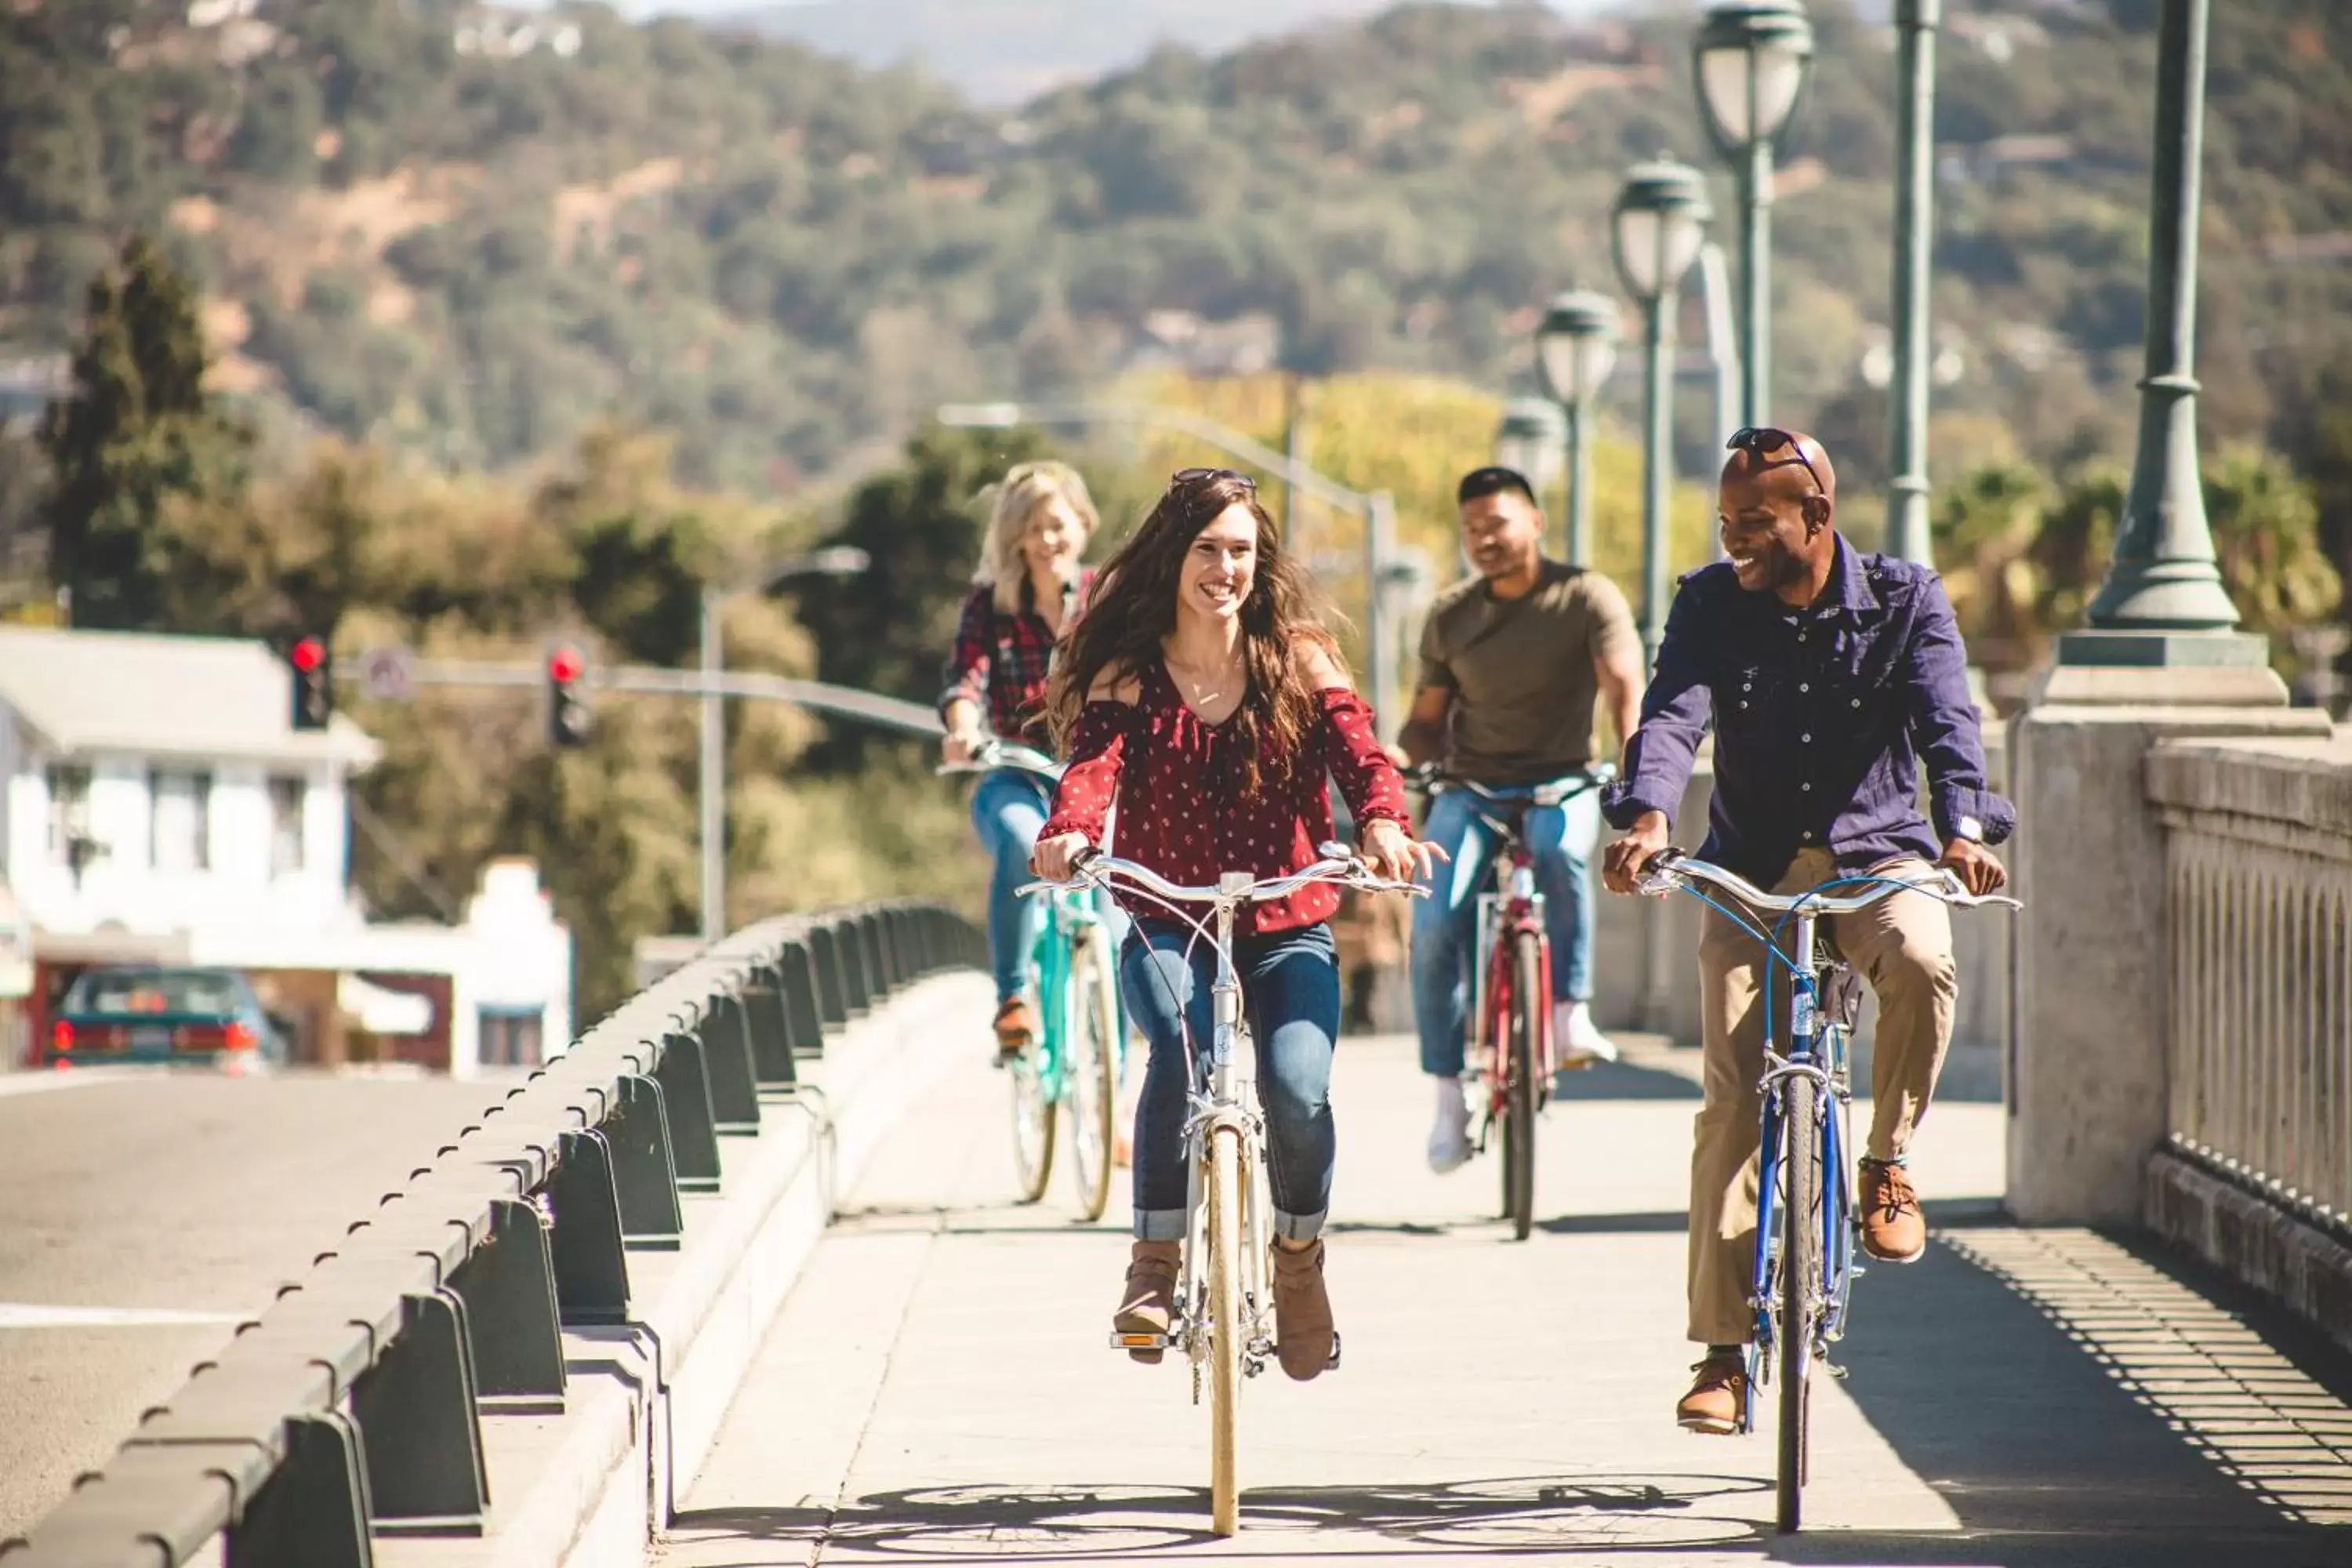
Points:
point(157, 805)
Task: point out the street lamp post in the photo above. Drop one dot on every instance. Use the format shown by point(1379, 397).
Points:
point(838, 561)
point(1530, 439)
point(1915, 161)
point(1577, 348)
point(1656, 229)
point(1752, 58)
point(2164, 582)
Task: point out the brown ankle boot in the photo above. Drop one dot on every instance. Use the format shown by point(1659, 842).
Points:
point(1302, 1335)
point(1717, 1400)
point(1148, 1303)
point(1893, 1229)
point(1016, 1027)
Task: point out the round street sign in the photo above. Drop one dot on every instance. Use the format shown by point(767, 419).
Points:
point(386, 672)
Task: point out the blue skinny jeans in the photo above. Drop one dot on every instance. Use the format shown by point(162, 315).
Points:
point(1444, 924)
point(1290, 994)
point(1008, 810)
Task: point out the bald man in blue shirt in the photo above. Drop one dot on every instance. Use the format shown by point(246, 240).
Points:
point(1831, 676)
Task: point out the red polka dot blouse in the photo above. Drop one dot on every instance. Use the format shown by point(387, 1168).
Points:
point(1186, 809)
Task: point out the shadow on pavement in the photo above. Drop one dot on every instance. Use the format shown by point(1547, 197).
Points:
point(2076, 1404)
point(1540, 1515)
point(1621, 1080)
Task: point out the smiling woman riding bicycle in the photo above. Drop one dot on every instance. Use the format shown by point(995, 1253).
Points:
point(1199, 692)
point(1027, 589)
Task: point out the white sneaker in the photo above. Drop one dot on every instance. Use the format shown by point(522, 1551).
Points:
point(1579, 1038)
point(1449, 1137)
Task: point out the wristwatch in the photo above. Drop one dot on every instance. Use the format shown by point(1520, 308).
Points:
point(1970, 829)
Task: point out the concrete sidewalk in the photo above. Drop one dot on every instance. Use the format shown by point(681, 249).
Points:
point(939, 1385)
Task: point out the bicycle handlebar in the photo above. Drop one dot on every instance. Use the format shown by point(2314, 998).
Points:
point(1430, 779)
point(1338, 864)
point(991, 753)
point(1670, 868)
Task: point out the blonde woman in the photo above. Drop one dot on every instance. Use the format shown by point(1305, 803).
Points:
point(1027, 589)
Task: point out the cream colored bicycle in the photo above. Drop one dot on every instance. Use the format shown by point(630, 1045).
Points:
point(1224, 1301)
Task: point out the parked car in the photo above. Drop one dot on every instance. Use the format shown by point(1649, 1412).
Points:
point(149, 1015)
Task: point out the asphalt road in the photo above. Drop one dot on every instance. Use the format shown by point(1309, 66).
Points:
point(126, 1200)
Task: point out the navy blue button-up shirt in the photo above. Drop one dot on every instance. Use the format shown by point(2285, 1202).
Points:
point(1822, 716)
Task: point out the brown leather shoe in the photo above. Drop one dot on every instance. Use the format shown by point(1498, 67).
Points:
point(1716, 1404)
point(1304, 1338)
point(1016, 1027)
point(1146, 1304)
point(1893, 1229)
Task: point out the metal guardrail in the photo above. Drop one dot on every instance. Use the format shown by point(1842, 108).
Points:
point(352, 1406)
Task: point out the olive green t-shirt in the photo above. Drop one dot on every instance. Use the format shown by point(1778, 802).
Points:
point(1521, 671)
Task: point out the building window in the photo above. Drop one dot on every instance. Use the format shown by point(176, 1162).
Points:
point(180, 820)
point(509, 1037)
point(286, 801)
point(68, 810)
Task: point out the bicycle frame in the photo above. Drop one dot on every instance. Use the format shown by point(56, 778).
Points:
point(1067, 913)
point(1816, 1049)
point(1816, 1043)
point(1068, 919)
point(1220, 1097)
point(1513, 907)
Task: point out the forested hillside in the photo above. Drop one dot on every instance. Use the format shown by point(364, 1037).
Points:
point(408, 232)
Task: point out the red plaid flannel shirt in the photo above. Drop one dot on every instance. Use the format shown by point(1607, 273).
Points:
point(999, 663)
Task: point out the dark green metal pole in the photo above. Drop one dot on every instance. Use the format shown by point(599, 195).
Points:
point(2163, 578)
point(1580, 485)
point(1657, 460)
point(1907, 501)
point(1756, 273)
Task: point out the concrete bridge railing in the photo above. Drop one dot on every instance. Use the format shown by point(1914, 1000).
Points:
point(2255, 1171)
point(582, 1269)
point(2259, 874)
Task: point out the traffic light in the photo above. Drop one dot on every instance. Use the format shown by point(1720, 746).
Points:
point(313, 664)
point(567, 704)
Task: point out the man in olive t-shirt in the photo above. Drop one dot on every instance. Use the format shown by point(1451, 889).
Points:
point(1513, 663)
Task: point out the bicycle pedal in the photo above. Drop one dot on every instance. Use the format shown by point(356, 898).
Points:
point(1333, 1364)
point(1119, 1341)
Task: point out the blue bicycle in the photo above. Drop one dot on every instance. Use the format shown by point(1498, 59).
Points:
point(1806, 1226)
point(1079, 1053)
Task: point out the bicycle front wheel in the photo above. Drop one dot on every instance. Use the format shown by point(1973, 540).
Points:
point(1032, 1114)
point(1519, 1108)
point(1092, 1074)
point(1800, 1269)
point(1226, 1329)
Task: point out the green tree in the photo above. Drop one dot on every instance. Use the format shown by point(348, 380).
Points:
point(1983, 531)
point(888, 629)
point(137, 429)
point(2266, 536)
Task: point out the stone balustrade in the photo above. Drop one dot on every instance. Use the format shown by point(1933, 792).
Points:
point(2258, 869)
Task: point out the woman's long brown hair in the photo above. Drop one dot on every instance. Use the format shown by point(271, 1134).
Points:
point(1133, 609)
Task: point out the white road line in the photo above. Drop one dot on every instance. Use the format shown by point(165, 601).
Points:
point(32, 1082)
point(30, 1315)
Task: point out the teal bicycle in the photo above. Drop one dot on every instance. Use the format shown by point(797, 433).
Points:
point(1079, 1053)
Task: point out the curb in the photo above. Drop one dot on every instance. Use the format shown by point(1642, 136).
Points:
point(591, 1488)
point(2253, 1241)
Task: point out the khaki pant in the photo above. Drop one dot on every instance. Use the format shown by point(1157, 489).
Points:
point(1902, 947)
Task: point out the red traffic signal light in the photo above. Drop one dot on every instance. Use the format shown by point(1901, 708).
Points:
point(567, 704)
point(311, 664)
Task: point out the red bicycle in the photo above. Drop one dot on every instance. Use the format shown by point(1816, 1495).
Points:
point(1510, 1014)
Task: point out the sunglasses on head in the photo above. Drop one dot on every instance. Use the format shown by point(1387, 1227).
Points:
point(1201, 476)
point(1763, 440)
